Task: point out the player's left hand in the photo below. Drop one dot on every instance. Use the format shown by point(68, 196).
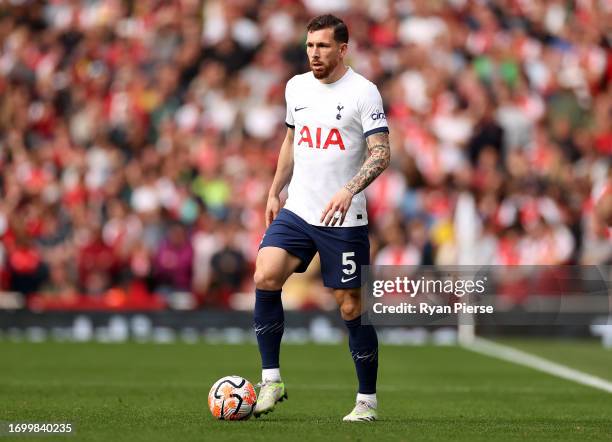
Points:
point(339, 203)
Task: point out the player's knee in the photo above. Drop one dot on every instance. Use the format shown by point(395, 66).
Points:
point(350, 308)
point(267, 280)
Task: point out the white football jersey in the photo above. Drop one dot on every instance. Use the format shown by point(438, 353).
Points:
point(331, 123)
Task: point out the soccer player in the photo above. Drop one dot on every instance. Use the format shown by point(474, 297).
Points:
point(337, 143)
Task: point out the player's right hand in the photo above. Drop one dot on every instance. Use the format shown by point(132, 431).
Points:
point(272, 209)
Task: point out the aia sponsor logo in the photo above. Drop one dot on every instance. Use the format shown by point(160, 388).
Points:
point(321, 140)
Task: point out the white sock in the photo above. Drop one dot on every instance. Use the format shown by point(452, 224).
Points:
point(270, 374)
point(370, 399)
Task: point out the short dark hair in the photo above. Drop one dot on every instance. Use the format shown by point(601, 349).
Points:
point(326, 21)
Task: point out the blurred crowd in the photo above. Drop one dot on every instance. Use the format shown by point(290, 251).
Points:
point(138, 139)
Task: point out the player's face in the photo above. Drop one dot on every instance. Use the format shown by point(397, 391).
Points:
point(324, 53)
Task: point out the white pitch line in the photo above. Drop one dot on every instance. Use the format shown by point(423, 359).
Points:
point(493, 349)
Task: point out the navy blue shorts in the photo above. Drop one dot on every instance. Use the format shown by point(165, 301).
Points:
point(343, 250)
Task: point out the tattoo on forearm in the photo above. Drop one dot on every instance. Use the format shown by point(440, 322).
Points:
point(377, 161)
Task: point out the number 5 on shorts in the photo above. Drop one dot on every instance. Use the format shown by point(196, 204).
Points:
point(348, 261)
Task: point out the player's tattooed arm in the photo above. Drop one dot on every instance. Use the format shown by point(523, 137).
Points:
point(377, 161)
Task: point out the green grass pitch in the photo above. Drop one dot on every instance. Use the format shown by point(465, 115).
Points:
point(145, 392)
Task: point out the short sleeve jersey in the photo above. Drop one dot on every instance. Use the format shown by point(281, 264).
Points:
point(331, 122)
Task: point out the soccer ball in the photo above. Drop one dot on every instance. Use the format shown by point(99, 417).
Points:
point(232, 398)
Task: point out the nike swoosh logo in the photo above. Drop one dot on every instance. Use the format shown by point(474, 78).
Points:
point(347, 280)
point(297, 109)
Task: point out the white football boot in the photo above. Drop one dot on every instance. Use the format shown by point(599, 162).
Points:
point(363, 412)
point(269, 394)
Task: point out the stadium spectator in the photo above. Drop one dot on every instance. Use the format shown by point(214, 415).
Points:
point(26, 267)
point(228, 269)
point(98, 266)
point(172, 266)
